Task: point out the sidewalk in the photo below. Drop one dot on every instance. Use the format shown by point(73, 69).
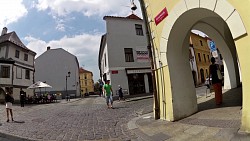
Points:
point(210, 123)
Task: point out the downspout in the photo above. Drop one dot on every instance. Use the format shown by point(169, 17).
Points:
point(151, 54)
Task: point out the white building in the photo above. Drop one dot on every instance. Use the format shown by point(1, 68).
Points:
point(53, 67)
point(16, 65)
point(123, 55)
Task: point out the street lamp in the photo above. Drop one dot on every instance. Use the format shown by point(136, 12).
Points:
point(67, 98)
point(151, 54)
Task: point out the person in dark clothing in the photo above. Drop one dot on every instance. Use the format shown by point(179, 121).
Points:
point(121, 97)
point(9, 100)
point(216, 82)
point(22, 97)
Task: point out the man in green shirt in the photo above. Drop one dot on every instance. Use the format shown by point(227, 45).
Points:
point(107, 88)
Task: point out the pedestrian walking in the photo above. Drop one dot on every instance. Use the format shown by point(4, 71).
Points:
point(100, 88)
point(107, 88)
point(214, 73)
point(22, 97)
point(9, 100)
point(120, 93)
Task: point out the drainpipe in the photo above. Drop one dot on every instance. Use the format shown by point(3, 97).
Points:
point(151, 54)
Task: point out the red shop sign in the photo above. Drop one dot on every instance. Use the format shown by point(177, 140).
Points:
point(114, 71)
point(161, 16)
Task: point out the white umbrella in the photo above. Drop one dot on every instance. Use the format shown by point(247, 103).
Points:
point(39, 84)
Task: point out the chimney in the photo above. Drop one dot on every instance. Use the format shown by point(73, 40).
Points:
point(4, 31)
point(48, 48)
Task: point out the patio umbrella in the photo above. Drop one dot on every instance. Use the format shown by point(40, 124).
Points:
point(39, 84)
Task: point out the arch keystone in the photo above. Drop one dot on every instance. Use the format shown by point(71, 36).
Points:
point(192, 4)
point(208, 5)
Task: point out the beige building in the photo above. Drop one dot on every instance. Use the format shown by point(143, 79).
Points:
point(202, 57)
point(86, 81)
point(170, 22)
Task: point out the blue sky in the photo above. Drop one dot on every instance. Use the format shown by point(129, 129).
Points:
point(74, 25)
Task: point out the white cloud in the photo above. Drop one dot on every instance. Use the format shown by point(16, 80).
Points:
point(85, 47)
point(11, 11)
point(88, 7)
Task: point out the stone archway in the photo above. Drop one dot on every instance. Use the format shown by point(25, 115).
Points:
point(218, 24)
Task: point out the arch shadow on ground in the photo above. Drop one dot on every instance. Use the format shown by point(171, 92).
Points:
point(231, 98)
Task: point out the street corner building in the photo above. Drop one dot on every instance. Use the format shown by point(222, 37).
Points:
point(16, 65)
point(124, 57)
point(170, 23)
point(60, 69)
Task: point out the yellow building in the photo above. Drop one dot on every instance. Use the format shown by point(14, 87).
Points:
point(170, 23)
point(202, 57)
point(86, 81)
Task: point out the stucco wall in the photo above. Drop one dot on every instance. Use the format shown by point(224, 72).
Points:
point(236, 16)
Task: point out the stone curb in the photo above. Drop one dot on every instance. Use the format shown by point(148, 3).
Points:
point(13, 137)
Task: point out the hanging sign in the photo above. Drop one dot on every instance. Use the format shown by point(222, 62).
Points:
point(161, 16)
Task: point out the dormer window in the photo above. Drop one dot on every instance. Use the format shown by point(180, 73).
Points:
point(17, 53)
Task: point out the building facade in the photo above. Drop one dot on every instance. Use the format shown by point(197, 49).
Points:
point(60, 69)
point(16, 65)
point(123, 55)
point(226, 22)
point(201, 55)
point(86, 81)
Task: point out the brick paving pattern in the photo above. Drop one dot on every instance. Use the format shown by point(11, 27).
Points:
point(86, 119)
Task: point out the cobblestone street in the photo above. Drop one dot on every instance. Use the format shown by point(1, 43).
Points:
point(84, 119)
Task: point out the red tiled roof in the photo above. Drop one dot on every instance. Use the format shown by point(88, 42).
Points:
point(12, 37)
point(132, 16)
point(81, 70)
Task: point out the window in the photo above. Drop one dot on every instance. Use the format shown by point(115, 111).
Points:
point(17, 53)
point(86, 83)
point(204, 57)
point(25, 57)
point(128, 55)
point(138, 29)
point(201, 42)
point(85, 76)
point(208, 58)
point(206, 72)
point(199, 57)
point(5, 71)
point(18, 73)
point(27, 74)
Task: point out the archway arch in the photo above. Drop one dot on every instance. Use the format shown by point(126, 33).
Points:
point(174, 50)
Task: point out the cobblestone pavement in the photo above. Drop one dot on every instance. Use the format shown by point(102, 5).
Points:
point(85, 119)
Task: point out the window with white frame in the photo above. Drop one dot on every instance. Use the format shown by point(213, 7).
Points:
point(129, 55)
point(138, 29)
point(27, 74)
point(5, 71)
point(17, 53)
point(26, 57)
